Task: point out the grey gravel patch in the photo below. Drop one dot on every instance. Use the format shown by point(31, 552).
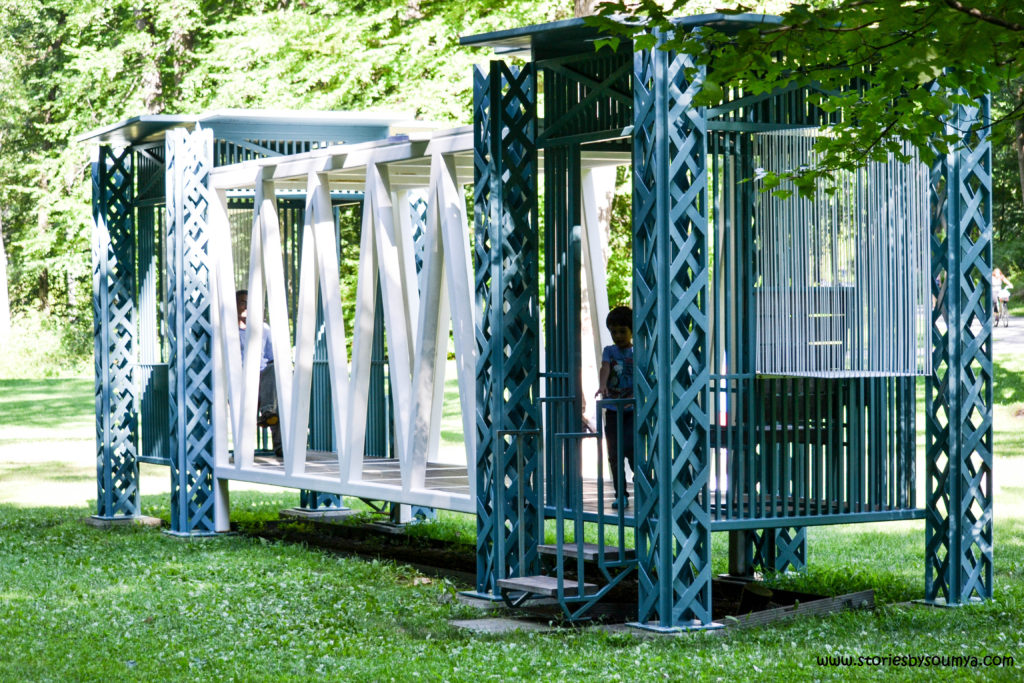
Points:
point(479, 603)
point(626, 629)
point(319, 515)
point(498, 625)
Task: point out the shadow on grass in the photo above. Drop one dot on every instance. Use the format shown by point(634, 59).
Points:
point(1009, 380)
point(46, 403)
point(48, 471)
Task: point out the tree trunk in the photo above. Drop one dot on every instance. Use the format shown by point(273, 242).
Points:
point(152, 86)
point(44, 290)
point(1018, 140)
point(5, 302)
point(584, 8)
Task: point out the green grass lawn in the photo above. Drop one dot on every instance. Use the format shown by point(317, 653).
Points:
point(82, 604)
point(61, 408)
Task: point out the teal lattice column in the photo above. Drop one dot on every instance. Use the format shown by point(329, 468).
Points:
point(506, 264)
point(190, 364)
point(114, 320)
point(779, 550)
point(958, 528)
point(670, 290)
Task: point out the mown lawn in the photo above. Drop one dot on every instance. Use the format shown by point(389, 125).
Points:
point(82, 604)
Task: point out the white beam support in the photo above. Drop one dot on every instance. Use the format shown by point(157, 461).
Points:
point(418, 312)
point(598, 193)
point(350, 458)
point(431, 349)
point(395, 280)
point(318, 203)
point(450, 204)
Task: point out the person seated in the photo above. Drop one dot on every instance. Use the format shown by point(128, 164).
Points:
point(266, 415)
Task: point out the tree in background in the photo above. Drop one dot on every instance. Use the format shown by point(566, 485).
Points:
point(70, 66)
point(5, 301)
point(967, 48)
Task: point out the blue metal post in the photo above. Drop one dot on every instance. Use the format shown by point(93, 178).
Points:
point(670, 291)
point(114, 319)
point(508, 325)
point(190, 365)
point(958, 529)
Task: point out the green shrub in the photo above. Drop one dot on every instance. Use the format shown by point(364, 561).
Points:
point(42, 346)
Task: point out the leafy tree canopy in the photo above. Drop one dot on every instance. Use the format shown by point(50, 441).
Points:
point(70, 66)
point(916, 60)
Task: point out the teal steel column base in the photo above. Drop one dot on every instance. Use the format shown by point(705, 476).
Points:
point(196, 534)
point(315, 501)
point(694, 625)
point(481, 596)
point(790, 549)
point(941, 602)
point(781, 550)
point(422, 513)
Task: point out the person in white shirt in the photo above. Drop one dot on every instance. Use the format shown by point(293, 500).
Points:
point(267, 396)
point(1001, 296)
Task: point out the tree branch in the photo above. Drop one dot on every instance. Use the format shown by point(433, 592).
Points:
point(982, 16)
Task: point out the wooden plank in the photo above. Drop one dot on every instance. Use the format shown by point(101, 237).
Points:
point(544, 585)
point(591, 551)
point(859, 600)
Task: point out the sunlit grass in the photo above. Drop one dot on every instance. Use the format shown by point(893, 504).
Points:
point(78, 603)
point(65, 408)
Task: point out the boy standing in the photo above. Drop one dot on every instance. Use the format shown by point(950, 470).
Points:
point(616, 381)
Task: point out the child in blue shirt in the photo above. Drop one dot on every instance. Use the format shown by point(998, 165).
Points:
point(616, 381)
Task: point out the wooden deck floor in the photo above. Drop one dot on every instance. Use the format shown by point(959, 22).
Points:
point(452, 479)
point(440, 476)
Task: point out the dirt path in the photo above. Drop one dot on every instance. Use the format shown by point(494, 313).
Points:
point(1009, 339)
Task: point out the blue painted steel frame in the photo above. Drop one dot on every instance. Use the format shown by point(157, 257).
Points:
point(508, 326)
point(114, 334)
point(190, 364)
point(959, 401)
point(670, 293)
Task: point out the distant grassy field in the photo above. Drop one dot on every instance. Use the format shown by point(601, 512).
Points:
point(65, 408)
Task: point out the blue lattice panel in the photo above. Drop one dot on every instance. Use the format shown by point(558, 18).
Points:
point(114, 320)
point(958, 529)
point(505, 260)
point(671, 331)
point(782, 549)
point(190, 364)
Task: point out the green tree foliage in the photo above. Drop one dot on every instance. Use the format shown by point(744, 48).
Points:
point(913, 61)
point(1008, 185)
point(70, 66)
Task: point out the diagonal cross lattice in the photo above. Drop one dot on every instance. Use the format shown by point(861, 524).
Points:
point(114, 333)
point(190, 379)
point(671, 366)
point(959, 399)
point(505, 261)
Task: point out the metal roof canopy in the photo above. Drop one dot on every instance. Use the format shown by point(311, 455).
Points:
point(573, 36)
point(292, 125)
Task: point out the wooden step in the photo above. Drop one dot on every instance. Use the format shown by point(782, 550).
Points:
point(544, 585)
point(591, 551)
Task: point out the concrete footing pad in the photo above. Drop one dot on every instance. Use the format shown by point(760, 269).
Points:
point(326, 515)
point(500, 625)
point(110, 522)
